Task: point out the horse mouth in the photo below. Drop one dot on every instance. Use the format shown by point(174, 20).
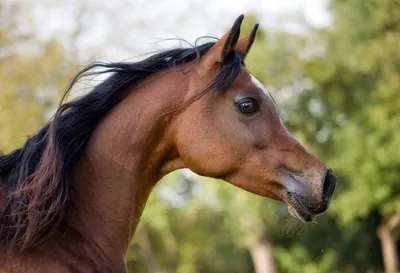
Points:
point(298, 210)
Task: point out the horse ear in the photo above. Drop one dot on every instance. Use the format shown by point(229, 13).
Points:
point(243, 45)
point(221, 49)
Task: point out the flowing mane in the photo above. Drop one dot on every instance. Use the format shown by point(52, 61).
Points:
point(37, 175)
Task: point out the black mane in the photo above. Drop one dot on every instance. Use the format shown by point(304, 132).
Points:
point(38, 174)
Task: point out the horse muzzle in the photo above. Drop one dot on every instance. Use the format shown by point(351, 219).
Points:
point(304, 200)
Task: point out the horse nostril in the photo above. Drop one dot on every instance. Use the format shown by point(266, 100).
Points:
point(329, 185)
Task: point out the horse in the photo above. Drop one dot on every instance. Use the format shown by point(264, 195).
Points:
point(72, 196)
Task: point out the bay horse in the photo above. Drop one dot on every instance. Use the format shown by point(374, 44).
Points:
point(72, 196)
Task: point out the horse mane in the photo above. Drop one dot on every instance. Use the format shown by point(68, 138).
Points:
point(38, 175)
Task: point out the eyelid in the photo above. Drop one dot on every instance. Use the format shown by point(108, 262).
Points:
point(248, 95)
point(246, 99)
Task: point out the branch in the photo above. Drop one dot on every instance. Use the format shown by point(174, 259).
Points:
point(394, 222)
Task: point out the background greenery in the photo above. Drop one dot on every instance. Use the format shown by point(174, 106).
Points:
point(339, 93)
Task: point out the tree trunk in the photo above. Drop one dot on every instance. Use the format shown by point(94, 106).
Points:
point(388, 243)
point(262, 256)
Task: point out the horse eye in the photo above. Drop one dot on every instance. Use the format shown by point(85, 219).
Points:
point(247, 105)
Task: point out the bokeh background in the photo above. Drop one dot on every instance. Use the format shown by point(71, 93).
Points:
point(334, 70)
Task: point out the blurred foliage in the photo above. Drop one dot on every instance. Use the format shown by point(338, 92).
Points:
point(31, 76)
point(338, 91)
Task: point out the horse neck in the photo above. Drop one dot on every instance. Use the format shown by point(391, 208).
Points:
point(128, 153)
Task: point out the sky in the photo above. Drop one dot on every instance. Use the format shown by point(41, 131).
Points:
point(121, 29)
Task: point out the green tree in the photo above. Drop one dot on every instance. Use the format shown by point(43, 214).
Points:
point(31, 76)
point(352, 112)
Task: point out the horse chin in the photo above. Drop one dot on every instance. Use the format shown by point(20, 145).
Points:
point(298, 211)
